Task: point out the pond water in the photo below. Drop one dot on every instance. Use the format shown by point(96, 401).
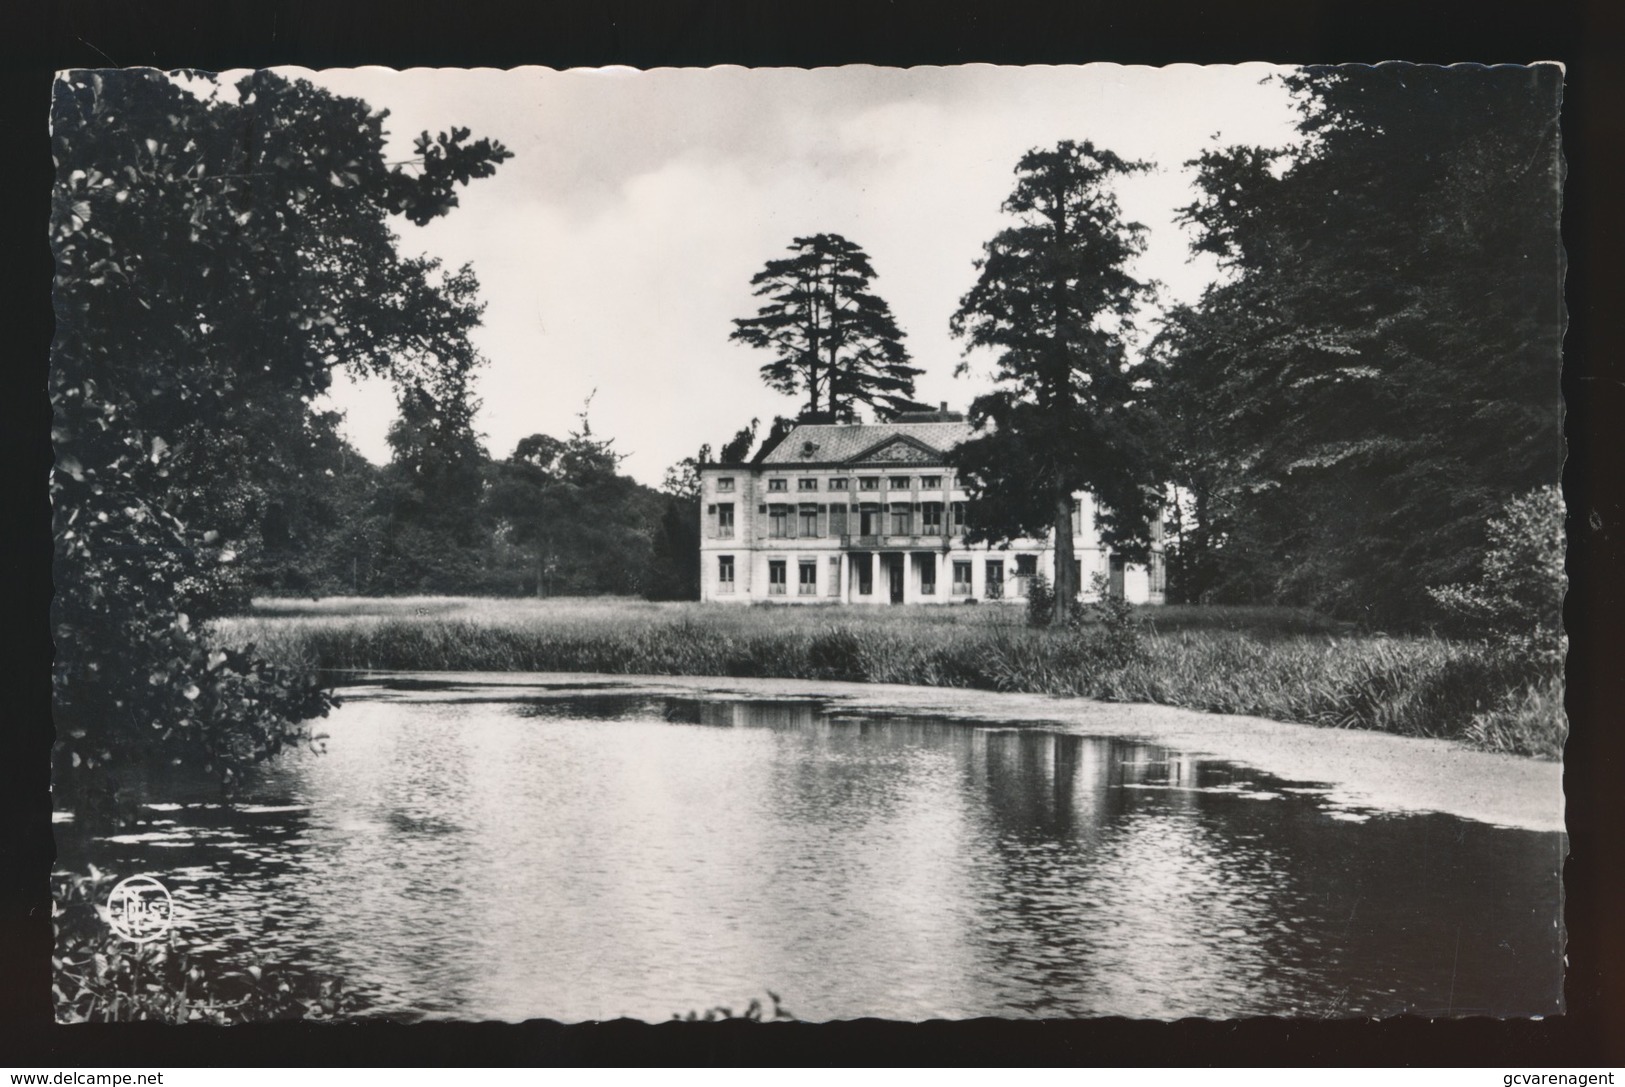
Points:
point(574, 854)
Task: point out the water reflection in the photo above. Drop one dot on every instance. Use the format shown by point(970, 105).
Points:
point(489, 854)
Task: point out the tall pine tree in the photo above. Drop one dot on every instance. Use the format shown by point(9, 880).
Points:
point(834, 340)
point(1055, 301)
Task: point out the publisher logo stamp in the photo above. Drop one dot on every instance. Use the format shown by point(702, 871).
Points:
point(140, 910)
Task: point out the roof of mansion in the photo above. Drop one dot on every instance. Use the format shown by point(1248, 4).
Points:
point(836, 443)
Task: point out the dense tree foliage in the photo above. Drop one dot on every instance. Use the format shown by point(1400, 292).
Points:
point(563, 521)
point(674, 566)
point(683, 478)
point(1376, 375)
point(218, 255)
point(553, 518)
point(320, 530)
point(833, 339)
point(1055, 301)
point(736, 449)
point(1516, 597)
point(428, 504)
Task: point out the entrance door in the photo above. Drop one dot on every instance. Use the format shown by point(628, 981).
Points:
point(896, 568)
point(995, 579)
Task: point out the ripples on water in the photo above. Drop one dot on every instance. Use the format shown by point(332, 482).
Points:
point(474, 853)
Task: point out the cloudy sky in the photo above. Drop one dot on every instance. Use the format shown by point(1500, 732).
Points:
point(615, 247)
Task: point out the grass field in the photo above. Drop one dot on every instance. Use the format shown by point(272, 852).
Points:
point(1280, 663)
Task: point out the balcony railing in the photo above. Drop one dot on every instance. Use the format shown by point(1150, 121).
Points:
point(883, 540)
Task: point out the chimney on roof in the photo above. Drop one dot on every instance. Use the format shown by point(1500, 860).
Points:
point(941, 415)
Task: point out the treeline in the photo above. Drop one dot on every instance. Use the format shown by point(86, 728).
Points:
point(1370, 384)
point(553, 518)
point(1338, 422)
point(1374, 380)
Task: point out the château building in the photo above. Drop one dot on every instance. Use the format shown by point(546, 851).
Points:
point(872, 514)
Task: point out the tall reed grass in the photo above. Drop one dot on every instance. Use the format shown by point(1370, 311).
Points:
point(1276, 663)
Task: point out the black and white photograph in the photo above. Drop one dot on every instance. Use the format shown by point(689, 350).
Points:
point(1042, 542)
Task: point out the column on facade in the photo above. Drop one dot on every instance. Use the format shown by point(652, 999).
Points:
point(916, 516)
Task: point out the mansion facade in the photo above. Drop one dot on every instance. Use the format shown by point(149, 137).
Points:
point(872, 514)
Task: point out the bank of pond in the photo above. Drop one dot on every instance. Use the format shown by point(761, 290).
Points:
point(1284, 664)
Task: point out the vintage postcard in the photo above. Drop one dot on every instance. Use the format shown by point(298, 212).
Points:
point(932, 543)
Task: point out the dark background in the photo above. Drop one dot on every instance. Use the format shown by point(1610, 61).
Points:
point(40, 36)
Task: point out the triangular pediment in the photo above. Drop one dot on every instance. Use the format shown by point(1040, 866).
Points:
point(899, 449)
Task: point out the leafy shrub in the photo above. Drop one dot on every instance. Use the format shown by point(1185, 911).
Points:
point(136, 681)
point(1515, 608)
point(1040, 601)
point(1517, 600)
point(1110, 625)
point(100, 978)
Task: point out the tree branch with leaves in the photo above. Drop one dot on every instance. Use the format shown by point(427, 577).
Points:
point(218, 256)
